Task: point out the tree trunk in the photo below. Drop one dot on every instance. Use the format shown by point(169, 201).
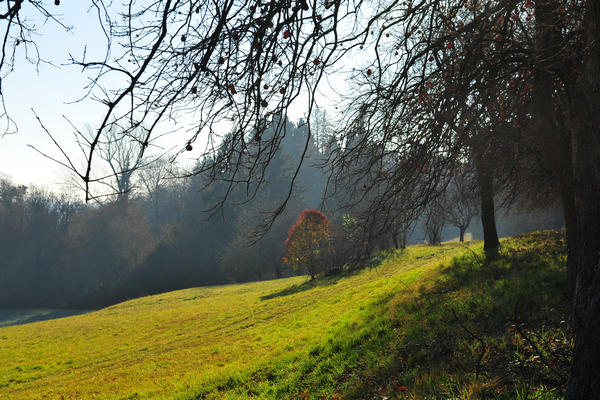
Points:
point(395, 240)
point(584, 377)
point(403, 238)
point(368, 248)
point(550, 129)
point(462, 234)
point(488, 219)
point(568, 203)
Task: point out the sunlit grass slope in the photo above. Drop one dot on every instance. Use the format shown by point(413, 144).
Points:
point(259, 340)
point(429, 322)
point(477, 328)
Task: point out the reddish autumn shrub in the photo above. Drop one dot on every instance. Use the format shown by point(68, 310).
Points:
point(309, 244)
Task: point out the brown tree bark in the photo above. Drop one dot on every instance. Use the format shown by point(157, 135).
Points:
point(395, 240)
point(573, 152)
point(584, 377)
point(488, 219)
point(568, 204)
point(550, 128)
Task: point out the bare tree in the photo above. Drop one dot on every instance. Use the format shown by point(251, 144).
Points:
point(434, 222)
point(121, 150)
point(322, 128)
point(459, 203)
point(159, 185)
point(224, 62)
point(401, 227)
point(153, 177)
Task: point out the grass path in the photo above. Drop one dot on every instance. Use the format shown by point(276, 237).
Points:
point(201, 341)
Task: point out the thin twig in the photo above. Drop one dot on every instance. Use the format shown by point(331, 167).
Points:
point(480, 340)
point(560, 376)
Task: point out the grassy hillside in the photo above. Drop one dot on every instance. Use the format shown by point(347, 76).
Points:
point(28, 315)
point(417, 323)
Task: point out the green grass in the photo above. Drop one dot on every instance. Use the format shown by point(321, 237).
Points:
point(217, 342)
point(28, 315)
point(409, 327)
point(480, 330)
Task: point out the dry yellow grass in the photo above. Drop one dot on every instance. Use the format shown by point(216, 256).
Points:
point(179, 344)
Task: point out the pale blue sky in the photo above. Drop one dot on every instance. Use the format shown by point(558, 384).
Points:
point(50, 91)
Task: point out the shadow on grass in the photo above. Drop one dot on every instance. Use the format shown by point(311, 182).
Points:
point(302, 287)
point(479, 329)
point(28, 315)
point(471, 329)
point(327, 280)
point(347, 271)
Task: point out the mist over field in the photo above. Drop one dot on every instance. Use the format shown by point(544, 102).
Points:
point(61, 253)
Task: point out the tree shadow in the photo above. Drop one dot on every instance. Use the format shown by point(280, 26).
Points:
point(332, 277)
point(321, 281)
point(484, 323)
point(28, 315)
point(310, 284)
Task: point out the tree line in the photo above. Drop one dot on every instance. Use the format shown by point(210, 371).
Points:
point(158, 233)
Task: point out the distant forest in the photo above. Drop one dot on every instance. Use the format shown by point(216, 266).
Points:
point(162, 234)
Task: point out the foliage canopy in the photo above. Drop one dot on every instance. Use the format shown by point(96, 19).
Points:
point(309, 243)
